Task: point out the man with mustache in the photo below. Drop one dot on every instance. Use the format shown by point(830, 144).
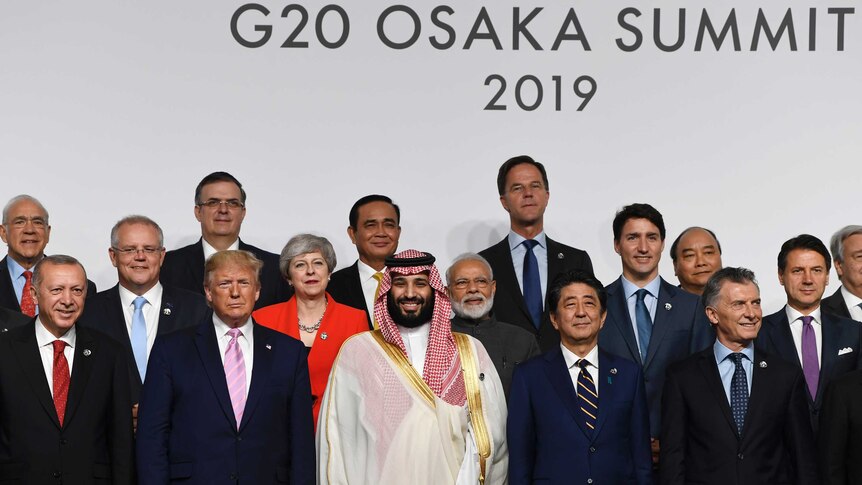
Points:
point(412, 402)
point(471, 287)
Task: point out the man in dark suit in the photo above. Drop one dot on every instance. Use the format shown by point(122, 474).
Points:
point(10, 319)
point(578, 414)
point(696, 255)
point(824, 346)
point(228, 401)
point(733, 414)
point(839, 442)
point(374, 228)
point(60, 426)
point(220, 209)
point(846, 247)
point(26, 231)
point(139, 308)
point(526, 260)
point(650, 321)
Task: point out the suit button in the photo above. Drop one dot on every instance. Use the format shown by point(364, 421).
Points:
point(589, 480)
point(592, 449)
point(64, 441)
point(57, 474)
point(239, 438)
point(478, 332)
point(739, 456)
point(233, 476)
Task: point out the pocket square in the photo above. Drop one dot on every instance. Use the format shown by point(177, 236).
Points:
point(845, 350)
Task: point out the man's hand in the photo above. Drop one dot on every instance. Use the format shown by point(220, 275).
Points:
point(653, 442)
point(135, 419)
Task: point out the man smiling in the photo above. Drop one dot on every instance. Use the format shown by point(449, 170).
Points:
point(696, 255)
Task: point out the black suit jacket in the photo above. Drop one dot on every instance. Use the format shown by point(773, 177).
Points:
point(509, 303)
point(10, 319)
point(345, 288)
point(184, 268)
point(840, 444)
point(94, 445)
point(699, 442)
point(103, 312)
point(839, 334)
point(7, 291)
point(835, 305)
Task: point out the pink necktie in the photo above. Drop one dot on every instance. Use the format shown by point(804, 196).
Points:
point(234, 370)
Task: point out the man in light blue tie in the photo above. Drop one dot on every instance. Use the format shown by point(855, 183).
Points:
point(650, 321)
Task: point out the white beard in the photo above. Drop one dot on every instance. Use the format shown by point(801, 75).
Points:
point(473, 312)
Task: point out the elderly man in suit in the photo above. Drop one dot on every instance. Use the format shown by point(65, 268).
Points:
point(65, 413)
point(650, 321)
point(578, 414)
point(139, 308)
point(526, 260)
point(374, 228)
point(228, 401)
point(220, 209)
point(846, 247)
point(733, 414)
point(824, 346)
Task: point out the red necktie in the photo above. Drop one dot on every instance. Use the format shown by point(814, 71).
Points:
point(28, 305)
point(61, 379)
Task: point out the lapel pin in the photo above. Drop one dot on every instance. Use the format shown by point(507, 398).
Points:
point(610, 380)
point(481, 376)
point(268, 347)
point(87, 352)
point(763, 364)
point(614, 370)
point(4, 330)
point(166, 311)
point(323, 336)
point(560, 256)
point(668, 306)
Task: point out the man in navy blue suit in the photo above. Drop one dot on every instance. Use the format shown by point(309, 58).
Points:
point(650, 321)
point(228, 401)
point(578, 414)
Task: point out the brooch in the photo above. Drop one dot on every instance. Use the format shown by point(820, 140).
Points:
point(614, 370)
point(668, 306)
point(323, 336)
point(560, 255)
point(481, 376)
point(166, 311)
point(763, 364)
point(268, 347)
point(87, 352)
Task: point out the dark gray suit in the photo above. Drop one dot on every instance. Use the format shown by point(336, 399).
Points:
point(835, 305)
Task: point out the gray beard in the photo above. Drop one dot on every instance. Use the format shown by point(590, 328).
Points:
point(473, 312)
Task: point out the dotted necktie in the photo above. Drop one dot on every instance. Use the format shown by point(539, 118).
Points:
point(60, 379)
point(28, 305)
point(532, 285)
point(738, 392)
point(588, 398)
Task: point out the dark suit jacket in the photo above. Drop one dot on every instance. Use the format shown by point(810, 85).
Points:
point(509, 303)
point(835, 305)
point(838, 333)
point(7, 291)
point(94, 445)
point(680, 329)
point(344, 286)
point(840, 442)
point(699, 442)
point(548, 439)
point(187, 432)
point(104, 312)
point(184, 268)
point(11, 319)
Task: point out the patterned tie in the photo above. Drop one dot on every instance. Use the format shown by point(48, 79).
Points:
point(532, 285)
point(588, 398)
point(139, 336)
point(60, 379)
point(810, 362)
point(643, 321)
point(379, 277)
point(28, 305)
point(234, 370)
point(738, 391)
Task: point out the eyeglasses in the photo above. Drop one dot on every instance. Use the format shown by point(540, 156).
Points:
point(463, 283)
point(38, 222)
point(232, 204)
point(147, 250)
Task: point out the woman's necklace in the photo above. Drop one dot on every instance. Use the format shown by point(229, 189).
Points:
point(314, 327)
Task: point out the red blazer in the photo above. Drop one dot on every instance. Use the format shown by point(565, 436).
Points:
point(339, 323)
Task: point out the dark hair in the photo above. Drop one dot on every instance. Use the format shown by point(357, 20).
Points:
point(353, 218)
point(803, 241)
point(716, 281)
point(673, 247)
point(571, 277)
point(56, 260)
point(218, 177)
point(513, 162)
point(638, 211)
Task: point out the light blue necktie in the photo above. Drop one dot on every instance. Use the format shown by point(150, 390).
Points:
point(139, 336)
point(644, 323)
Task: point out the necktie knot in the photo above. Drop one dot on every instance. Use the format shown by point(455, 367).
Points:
point(582, 363)
point(59, 346)
point(28, 276)
point(642, 293)
point(378, 276)
point(807, 319)
point(736, 357)
point(139, 302)
point(530, 244)
point(234, 333)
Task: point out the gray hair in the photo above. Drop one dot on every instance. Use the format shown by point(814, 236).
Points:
point(59, 260)
point(468, 257)
point(304, 244)
point(836, 244)
point(135, 219)
point(19, 198)
point(716, 281)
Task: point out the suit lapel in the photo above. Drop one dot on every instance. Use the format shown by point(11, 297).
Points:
point(196, 265)
point(761, 395)
point(260, 373)
point(26, 351)
point(506, 274)
point(82, 368)
point(781, 338)
point(663, 321)
point(561, 381)
point(618, 315)
point(117, 320)
point(209, 353)
point(828, 352)
point(167, 313)
point(7, 288)
point(709, 369)
point(607, 390)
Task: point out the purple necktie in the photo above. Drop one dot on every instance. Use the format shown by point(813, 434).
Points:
point(810, 363)
point(234, 371)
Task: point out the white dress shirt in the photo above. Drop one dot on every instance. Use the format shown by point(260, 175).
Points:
point(575, 370)
point(852, 301)
point(369, 284)
point(45, 342)
point(150, 310)
point(795, 319)
point(416, 343)
point(245, 341)
point(209, 250)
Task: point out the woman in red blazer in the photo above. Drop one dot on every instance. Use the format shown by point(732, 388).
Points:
point(311, 315)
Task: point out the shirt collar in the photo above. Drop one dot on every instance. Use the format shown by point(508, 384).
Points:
point(127, 298)
point(209, 250)
point(652, 287)
point(721, 352)
point(366, 272)
point(794, 315)
point(516, 239)
point(44, 337)
point(850, 299)
point(222, 328)
point(572, 359)
point(15, 269)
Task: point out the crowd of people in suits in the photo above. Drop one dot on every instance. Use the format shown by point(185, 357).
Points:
point(214, 362)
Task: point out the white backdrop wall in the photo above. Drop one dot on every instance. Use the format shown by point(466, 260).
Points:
point(110, 108)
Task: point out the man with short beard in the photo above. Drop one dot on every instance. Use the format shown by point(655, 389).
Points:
point(471, 287)
point(412, 402)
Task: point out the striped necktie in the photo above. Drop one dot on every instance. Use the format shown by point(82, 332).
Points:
point(234, 370)
point(588, 397)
